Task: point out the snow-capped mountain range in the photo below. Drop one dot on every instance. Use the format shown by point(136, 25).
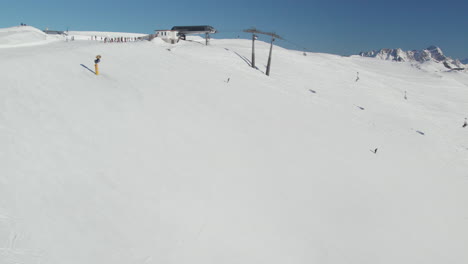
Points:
point(465, 61)
point(432, 53)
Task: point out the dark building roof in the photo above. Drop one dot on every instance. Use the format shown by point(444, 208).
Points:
point(53, 32)
point(194, 29)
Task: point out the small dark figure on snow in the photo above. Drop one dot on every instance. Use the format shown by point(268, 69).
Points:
point(465, 124)
point(406, 98)
point(357, 77)
point(228, 80)
point(375, 151)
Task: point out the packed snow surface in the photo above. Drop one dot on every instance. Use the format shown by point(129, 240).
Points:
point(185, 154)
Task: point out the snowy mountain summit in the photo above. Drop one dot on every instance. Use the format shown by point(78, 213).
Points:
point(21, 36)
point(432, 53)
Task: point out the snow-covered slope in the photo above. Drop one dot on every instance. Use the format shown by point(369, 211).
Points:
point(431, 54)
point(186, 154)
point(24, 36)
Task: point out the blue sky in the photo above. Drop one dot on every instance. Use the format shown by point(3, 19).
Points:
point(333, 26)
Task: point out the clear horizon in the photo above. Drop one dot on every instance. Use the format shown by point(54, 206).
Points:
point(337, 26)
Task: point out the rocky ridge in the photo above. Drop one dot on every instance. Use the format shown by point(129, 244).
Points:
point(432, 53)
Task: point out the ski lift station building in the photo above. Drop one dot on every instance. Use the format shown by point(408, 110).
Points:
point(188, 30)
point(179, 32)
point(170, 36)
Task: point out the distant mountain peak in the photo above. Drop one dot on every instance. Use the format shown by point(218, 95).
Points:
point(432, 53)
